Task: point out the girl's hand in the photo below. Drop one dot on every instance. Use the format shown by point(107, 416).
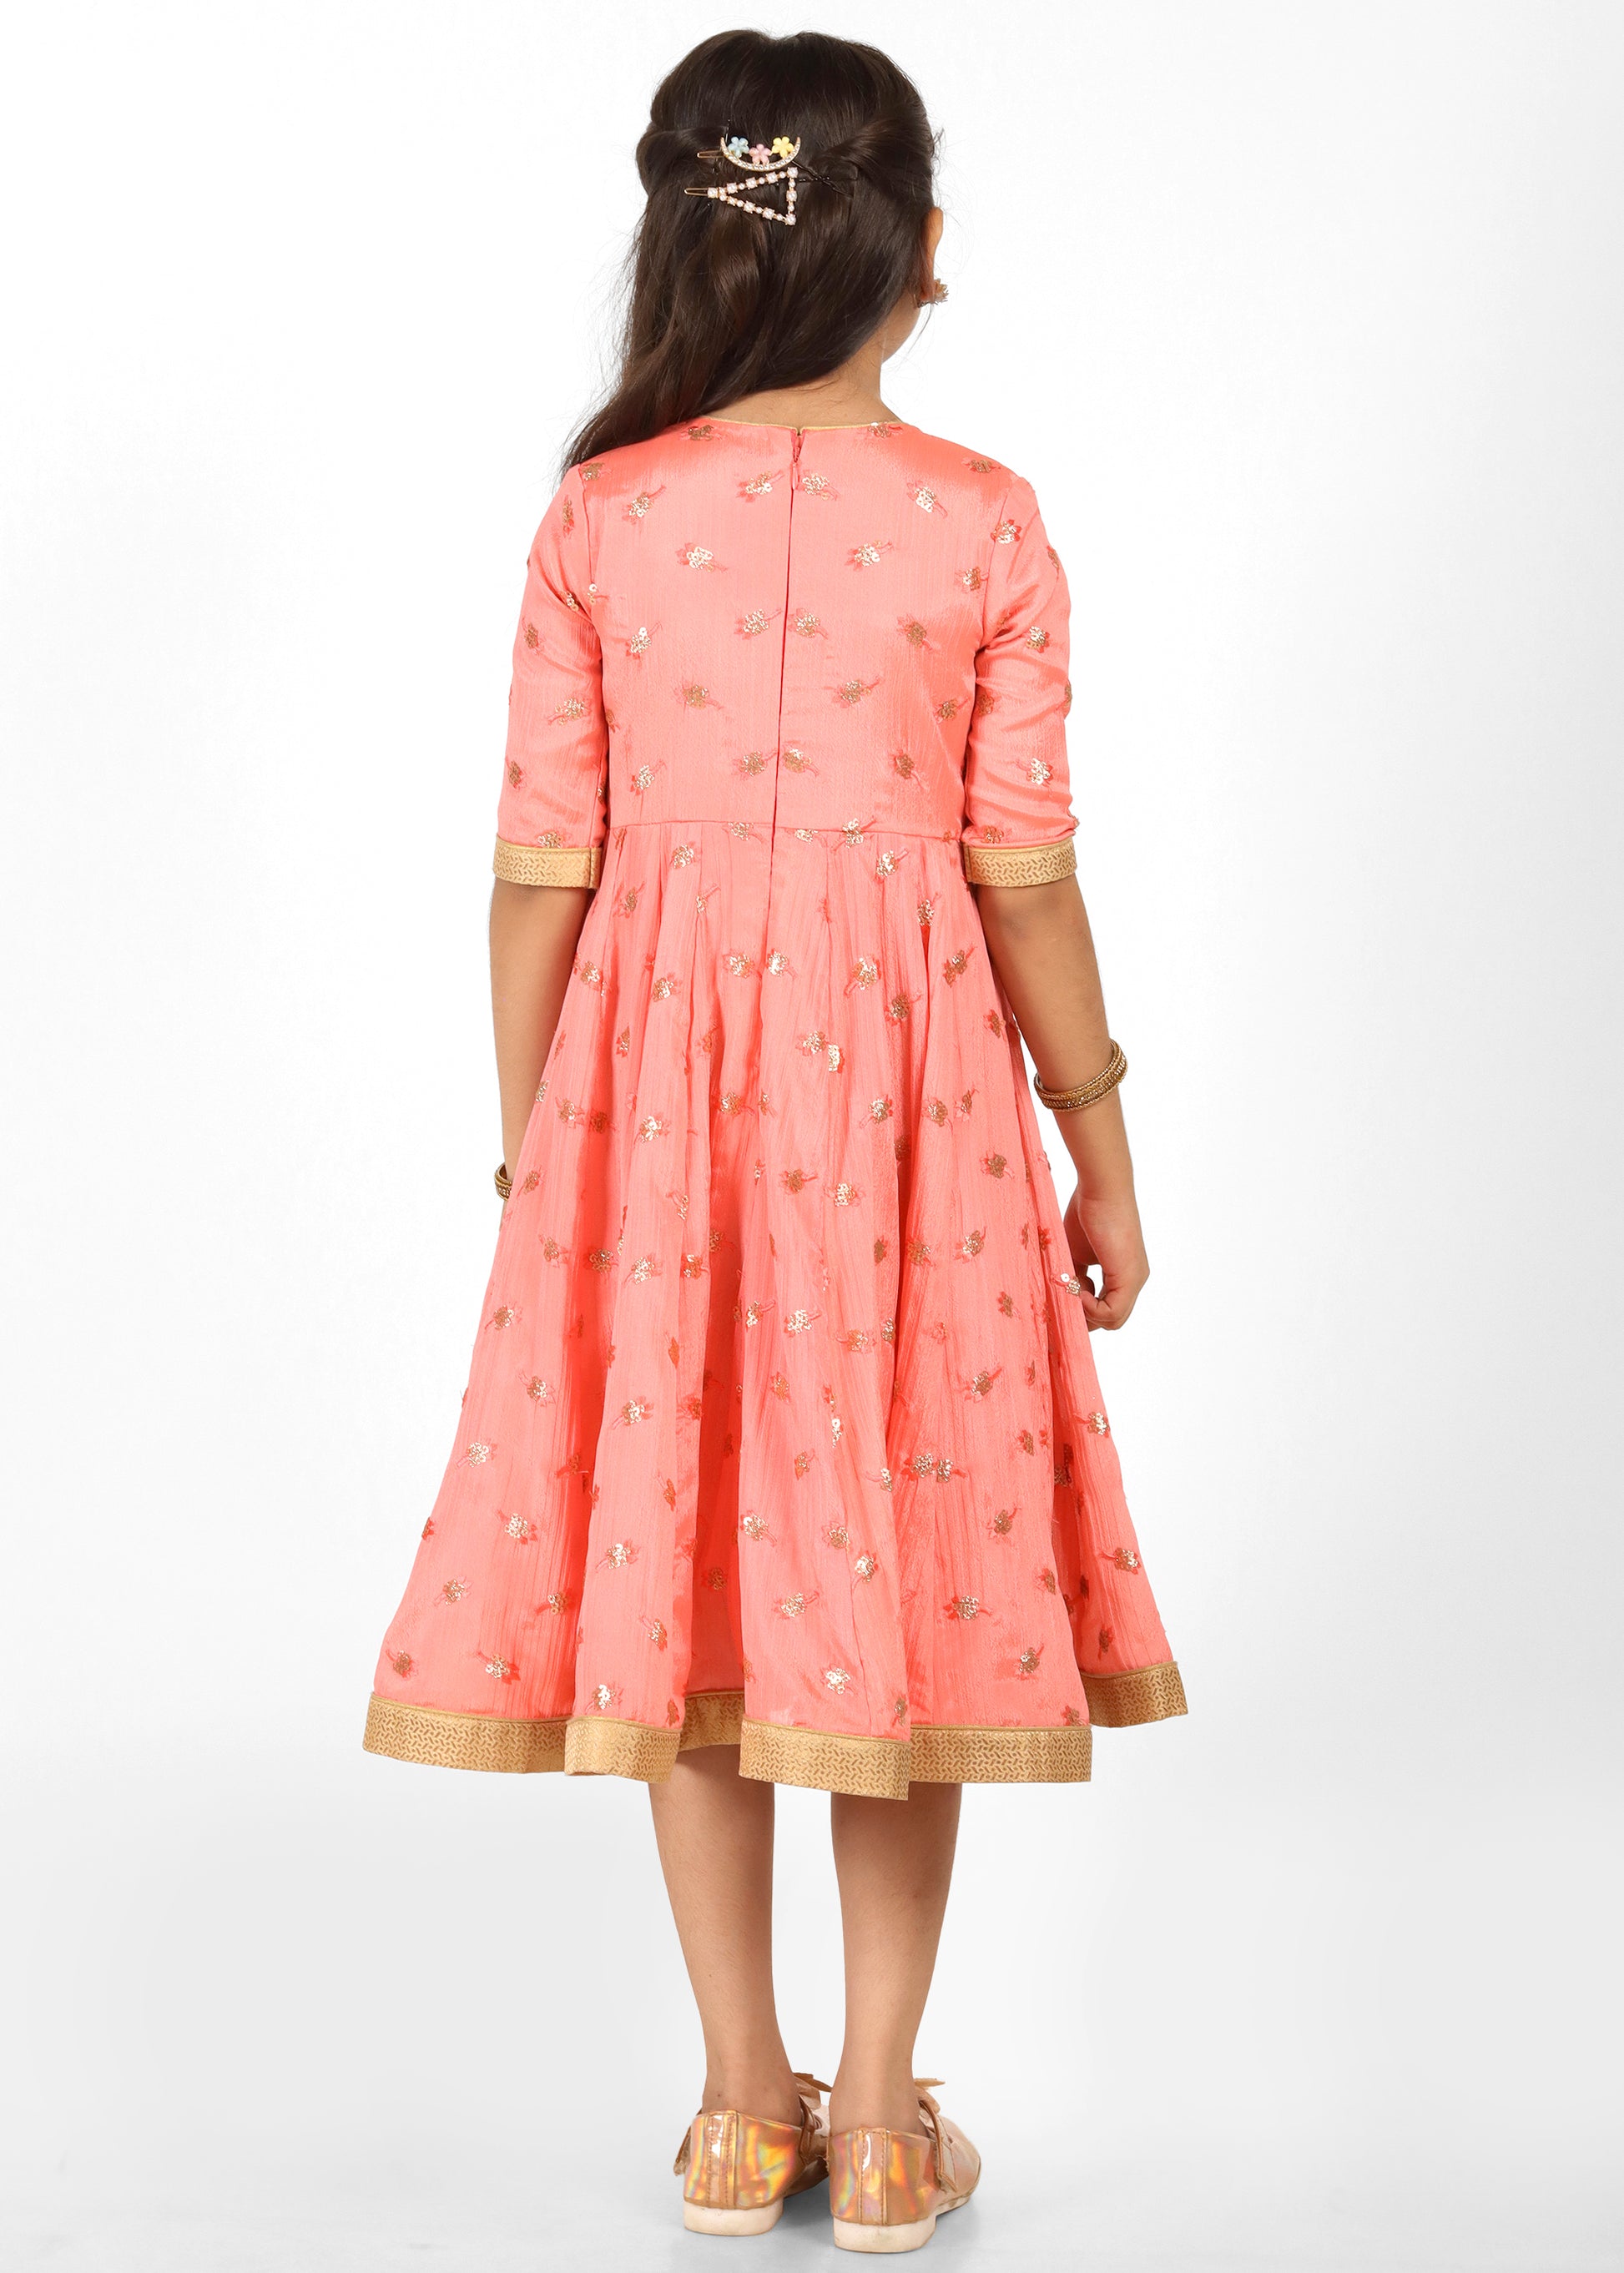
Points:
point(1105, 1235)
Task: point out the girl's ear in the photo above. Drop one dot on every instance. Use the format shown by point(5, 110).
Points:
point(930, 238)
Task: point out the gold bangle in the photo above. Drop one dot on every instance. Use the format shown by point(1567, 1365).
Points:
point(504, 1181)
point(1087, 1092)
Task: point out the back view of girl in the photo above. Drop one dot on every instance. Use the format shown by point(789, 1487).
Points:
point(782, 1458)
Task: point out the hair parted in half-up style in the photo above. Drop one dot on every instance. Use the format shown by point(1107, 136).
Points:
point(726, 302)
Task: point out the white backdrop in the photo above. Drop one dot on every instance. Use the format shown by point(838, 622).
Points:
point(1308, 323)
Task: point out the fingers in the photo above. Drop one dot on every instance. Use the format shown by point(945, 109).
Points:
point(1112, 1306)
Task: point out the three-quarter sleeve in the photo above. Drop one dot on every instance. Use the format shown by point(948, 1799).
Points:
point(1019, 822)
point(551, 821)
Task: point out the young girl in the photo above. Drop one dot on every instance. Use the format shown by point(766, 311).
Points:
point(782, 1458)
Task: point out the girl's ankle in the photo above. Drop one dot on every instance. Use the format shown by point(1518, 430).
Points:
point(756, 2088)
point(876, 2101)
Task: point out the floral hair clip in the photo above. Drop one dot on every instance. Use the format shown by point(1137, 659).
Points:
point(763, 165)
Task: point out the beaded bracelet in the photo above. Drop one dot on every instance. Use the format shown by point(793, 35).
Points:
point(504, 1181)
point(1087, 1092)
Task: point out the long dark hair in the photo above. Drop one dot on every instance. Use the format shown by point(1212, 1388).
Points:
point(725, 304)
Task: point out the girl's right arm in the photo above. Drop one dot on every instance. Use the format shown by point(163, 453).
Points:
point(551, 823)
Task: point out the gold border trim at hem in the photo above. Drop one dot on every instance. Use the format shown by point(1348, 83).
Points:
point(596, 1746)
point(712, 1716)
point(576, 865)
point(1000, 1755)
point(1019, 864)
point(820, 1760)
point(423, 1734)
point(1125, 1700)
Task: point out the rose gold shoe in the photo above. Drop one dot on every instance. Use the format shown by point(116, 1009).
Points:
point(742, 2169)
point(888, 2189)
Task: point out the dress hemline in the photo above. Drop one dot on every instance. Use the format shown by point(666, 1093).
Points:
point(816, 1760)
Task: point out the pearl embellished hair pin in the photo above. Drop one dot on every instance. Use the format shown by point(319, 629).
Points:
point(763, 166)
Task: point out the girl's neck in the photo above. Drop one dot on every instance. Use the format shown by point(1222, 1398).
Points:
point(847, 397)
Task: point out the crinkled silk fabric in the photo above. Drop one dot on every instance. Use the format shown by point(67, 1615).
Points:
point(782, 1383)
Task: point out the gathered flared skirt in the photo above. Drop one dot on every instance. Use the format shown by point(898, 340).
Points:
point(782, 1427)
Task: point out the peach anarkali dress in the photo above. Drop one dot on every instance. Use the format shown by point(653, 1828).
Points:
point(782, 1428)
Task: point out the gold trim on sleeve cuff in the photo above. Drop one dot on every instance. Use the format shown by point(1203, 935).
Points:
point(1124, 1700)
point(576, 865)
point(1020, 864)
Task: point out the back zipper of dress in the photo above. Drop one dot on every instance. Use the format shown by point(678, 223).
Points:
point(789, 530)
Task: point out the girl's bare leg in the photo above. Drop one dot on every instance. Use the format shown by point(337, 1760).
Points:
point(714, 1829)
point(894, 1859)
